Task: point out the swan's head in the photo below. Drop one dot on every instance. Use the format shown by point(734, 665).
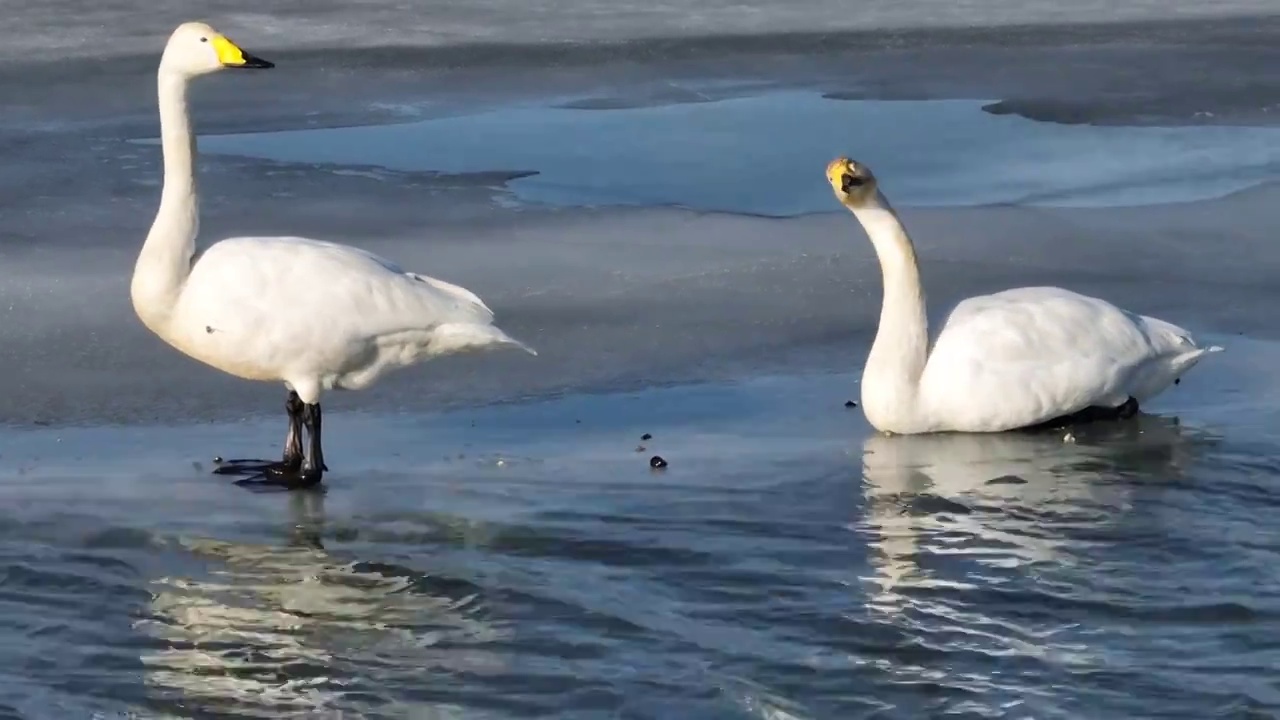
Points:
point(853, 183)
point(197, 49)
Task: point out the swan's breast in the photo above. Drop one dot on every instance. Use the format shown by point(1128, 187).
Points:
point(235, 356)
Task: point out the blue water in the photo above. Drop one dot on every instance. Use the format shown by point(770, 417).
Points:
point(765, 154)
point(523, 561)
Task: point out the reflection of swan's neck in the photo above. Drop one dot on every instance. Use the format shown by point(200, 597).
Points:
point(891, 378)
point(165, 260)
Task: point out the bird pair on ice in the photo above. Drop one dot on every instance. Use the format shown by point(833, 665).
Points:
point(321, 316)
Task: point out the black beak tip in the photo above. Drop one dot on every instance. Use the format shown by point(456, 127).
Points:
point(849, 182)
point(253, 62)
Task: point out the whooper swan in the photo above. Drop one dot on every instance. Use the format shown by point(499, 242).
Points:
point(314, 315)
point(1016, 359)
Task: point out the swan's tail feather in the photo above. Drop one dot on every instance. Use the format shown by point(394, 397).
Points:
point(457, 291)
point(462, 337)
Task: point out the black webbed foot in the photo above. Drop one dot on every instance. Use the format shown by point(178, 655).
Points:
point(294, 472)
point(1127, 410)
point(266, 475)
point(282, 480)
point(1124, 411)
point(246, 467)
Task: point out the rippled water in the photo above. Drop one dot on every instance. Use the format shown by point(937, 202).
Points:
point(524, 561)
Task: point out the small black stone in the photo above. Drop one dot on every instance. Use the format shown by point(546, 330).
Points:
point(657, 463)
point(850, 403)
point(646, 436)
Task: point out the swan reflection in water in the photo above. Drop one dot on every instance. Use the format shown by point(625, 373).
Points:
point(288, 631)
point(992, 499)
point(983, 547)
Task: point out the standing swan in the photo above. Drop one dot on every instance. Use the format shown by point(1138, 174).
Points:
point(311, 314)
point(1016, 359)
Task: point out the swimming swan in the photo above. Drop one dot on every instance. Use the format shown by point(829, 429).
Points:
point(314, 315)
point(1012, 360)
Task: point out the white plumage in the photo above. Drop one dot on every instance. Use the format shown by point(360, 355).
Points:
point(320, 315)
point(1005, 361)
point(1024, 356)
point(311, 314)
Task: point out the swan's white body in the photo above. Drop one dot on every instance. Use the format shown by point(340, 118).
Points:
point(314, 315)
point(1004, 361)
point(1021, 357)
point(319, 315)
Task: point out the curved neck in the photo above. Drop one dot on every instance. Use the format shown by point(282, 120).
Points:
point(891, 378)
point(165, 260)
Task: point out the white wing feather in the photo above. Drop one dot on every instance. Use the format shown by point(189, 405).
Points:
point(1024, 356)
point(296, 308)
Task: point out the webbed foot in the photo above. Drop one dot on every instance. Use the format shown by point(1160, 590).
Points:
point(294, 472)
point(268, 475)
point(1124, 411)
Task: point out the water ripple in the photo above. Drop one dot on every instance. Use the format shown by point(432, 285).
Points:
point(1126, 574)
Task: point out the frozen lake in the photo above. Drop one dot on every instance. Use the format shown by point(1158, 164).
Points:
point(764, 154)
point(637, 191)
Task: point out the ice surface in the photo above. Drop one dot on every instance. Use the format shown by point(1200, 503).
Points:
point(612, 297)
point(64, 28)
point(765, 154)
point(453, 542)
point(709, 431)
point(627, 298)
point(494, 544)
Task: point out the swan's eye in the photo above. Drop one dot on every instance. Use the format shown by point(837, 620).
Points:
point(204, 39)
point(848, 182)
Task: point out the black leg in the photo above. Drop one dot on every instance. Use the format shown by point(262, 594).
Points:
point(314, 464)
point(297, 477)
point(1124, 411)
point(289, 472)
point(293, 440)
point(1128, 409)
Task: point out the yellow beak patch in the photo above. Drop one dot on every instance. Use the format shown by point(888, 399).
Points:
point(836, 168)
point(229, 54)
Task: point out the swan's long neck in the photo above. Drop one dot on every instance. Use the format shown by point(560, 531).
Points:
point(891, 378)
point(165, 260)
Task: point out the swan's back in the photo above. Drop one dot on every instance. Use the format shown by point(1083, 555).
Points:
point(1040, 323)
point(1028, 355)
point(348, 290)
point(263, 307)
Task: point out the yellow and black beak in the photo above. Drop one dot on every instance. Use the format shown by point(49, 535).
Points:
point(231, 56)
point(848, 182)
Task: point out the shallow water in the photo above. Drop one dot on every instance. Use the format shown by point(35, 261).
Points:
point(521, 560)
point(524, 561)
point(764, 154)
